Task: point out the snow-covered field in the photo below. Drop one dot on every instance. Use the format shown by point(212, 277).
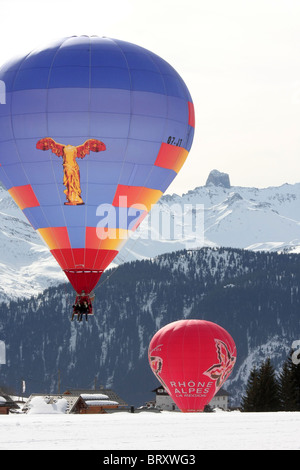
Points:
point(151, 431)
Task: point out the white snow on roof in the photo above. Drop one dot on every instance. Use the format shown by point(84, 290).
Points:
point(39, 405)
point(2, 400)
point(101, 402)
point(94, 396)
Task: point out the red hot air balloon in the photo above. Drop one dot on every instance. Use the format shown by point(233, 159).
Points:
point(192, 359)
point(91, 126)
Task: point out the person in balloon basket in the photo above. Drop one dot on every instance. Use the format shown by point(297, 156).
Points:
point(82, 306)
point(84, 310)
point(80, 309)
point(76, 310)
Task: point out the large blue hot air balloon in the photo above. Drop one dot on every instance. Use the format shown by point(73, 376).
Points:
point(91, 124)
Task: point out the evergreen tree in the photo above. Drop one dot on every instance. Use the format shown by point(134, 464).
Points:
point(248, 402)
point(262, 391)
point(268, 389)
point(288, 387)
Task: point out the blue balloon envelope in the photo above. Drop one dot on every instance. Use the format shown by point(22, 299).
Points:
point(93, 132)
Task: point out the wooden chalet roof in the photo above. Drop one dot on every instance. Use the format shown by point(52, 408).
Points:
point(7, 401)
point(160, 391)
point(110, 394)
point(222, 393)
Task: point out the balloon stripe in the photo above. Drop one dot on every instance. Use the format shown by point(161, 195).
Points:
point(24, 196)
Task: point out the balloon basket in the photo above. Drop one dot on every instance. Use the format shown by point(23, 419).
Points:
point(83, 305)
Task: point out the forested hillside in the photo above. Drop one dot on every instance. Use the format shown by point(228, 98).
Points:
point(254, 295)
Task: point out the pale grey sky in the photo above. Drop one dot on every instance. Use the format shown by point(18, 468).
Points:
point(239, 58)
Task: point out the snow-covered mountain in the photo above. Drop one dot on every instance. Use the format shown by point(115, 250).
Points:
point(230, 216)
point(215, 215)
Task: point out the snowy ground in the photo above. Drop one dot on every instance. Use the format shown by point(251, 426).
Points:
point(151, 431)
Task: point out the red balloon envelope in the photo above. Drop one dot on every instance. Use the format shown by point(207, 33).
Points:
point(192, 359)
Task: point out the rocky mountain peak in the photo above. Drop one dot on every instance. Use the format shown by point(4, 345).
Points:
point(217, 178)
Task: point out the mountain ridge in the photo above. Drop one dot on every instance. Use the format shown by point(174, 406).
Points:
point(257, 219)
